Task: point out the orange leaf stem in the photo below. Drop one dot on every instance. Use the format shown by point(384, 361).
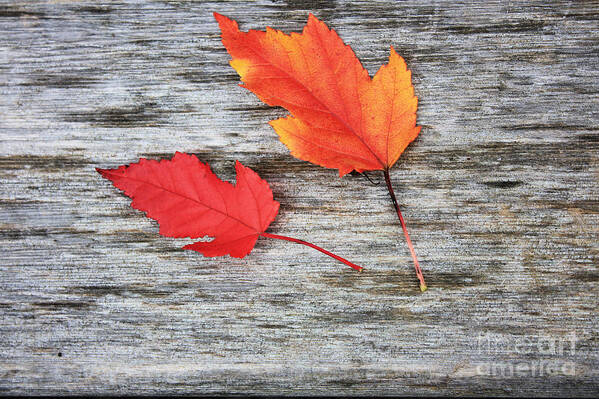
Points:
point(324, 251)
point(405, 231)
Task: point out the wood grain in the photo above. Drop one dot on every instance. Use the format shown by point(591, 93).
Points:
point(500, 193)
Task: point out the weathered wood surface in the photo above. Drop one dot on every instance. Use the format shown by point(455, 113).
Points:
point(500, 192)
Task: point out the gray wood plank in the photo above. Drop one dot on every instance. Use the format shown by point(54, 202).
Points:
point(499, 192)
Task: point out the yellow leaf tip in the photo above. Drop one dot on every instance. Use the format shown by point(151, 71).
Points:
point(423, 287)
point(242, 66)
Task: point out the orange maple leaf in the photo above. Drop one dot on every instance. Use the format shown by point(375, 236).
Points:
point(340, 117)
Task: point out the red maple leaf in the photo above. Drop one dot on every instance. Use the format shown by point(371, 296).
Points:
point(340, 117)
point(188, 200)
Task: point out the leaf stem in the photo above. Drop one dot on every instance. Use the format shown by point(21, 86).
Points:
point(405, 231)
point(324, 251)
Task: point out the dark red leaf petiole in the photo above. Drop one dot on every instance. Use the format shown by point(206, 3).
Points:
point(324, 251)
point(405, 231)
